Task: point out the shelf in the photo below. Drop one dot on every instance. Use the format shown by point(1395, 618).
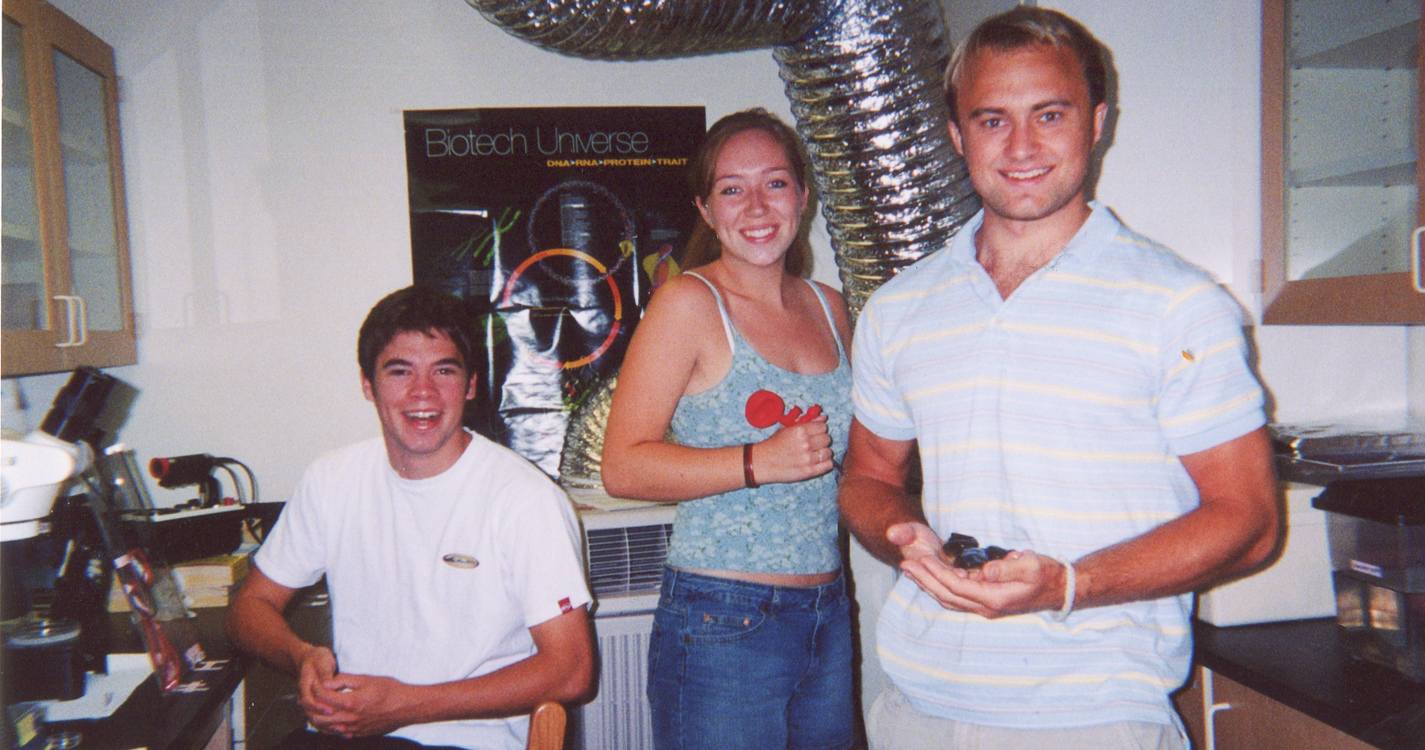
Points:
point(21, 266)
point(21, 305)
point(1362, 259)
point(81, 252)
point(1390, 49)
point(93, 153)
point(15, 118)
point(18, 232)
point(1390, 169)
point(1363, 34)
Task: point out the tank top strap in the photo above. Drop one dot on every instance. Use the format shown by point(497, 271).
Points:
point(830, 321)
point(722, 310)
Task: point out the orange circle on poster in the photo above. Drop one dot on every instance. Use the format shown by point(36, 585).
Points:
point(591, 260)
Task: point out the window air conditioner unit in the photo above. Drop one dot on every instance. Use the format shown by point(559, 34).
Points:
point(625, 549)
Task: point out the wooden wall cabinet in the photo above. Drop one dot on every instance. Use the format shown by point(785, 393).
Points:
point(1341, 211)
point(67, 295)
point(1221, 714)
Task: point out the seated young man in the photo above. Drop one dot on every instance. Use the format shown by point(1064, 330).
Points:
point(457, 590)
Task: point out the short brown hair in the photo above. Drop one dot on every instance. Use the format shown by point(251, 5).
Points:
point(703, 246)
point(1027, 26)
point(414, 309)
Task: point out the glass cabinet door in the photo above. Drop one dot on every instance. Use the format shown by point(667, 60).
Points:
point(88, 194)
point(25, 290)
point(1341, 110)
point(66, 279)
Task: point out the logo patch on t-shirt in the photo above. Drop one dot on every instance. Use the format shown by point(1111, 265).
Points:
point(455, 560)
point(564, 605)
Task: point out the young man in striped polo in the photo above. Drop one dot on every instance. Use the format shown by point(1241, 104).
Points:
point(1076, 393)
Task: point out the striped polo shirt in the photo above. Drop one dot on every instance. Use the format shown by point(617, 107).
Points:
point(1051, 421)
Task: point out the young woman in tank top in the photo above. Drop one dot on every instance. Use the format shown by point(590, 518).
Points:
point(751, 643)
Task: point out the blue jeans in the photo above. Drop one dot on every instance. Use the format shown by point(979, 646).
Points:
point(733, 664)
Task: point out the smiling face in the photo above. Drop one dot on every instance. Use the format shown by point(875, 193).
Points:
point(1026, 130)
point(420, 389)
point(756, 204)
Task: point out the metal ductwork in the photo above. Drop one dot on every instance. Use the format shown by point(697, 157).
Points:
point(864, 80)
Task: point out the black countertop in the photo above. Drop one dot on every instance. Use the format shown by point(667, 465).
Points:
point(1305, 664)
point(178, 720)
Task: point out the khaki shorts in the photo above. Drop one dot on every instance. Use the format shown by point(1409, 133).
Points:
point(894, 724)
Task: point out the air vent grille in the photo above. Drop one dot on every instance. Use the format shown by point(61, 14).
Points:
point(619, 718)
point(627, 560)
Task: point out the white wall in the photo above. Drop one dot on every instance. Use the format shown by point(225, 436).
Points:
point(267, 193)
point(266, 178)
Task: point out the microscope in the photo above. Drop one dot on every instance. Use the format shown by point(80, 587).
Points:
point(47, 653)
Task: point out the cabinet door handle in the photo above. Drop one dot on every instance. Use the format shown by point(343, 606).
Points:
point(1209, 711)
point(83, 320)
point(1415, 262)
point(78, 314)
point(69, 315)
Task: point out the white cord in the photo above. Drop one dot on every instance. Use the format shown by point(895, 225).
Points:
point(1070, 588)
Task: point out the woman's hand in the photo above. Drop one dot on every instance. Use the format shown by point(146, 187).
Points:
point(793, 454)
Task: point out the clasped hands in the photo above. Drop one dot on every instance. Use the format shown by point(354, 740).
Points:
point(349, 705)
point(795, 452)
point(1022, 581)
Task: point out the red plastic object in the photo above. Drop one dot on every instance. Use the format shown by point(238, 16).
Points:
point(764, 409)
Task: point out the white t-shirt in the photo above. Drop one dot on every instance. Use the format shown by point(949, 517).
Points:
point(432, 580)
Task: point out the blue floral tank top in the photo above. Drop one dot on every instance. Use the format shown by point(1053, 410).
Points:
point(776, 528)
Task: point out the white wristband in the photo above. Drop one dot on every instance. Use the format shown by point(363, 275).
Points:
point(1070, 588)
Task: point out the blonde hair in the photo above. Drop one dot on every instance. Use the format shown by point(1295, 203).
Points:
point(1028, 26)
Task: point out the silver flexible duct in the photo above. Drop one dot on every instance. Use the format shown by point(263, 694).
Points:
point(650, 29)
point(863, 77)
point(865, 90)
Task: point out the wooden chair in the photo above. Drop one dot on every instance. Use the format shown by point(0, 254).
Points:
point(546, 727)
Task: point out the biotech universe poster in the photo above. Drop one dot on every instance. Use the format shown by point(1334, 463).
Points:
point(554, 225)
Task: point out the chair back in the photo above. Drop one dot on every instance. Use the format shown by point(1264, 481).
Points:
point(546, 727)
